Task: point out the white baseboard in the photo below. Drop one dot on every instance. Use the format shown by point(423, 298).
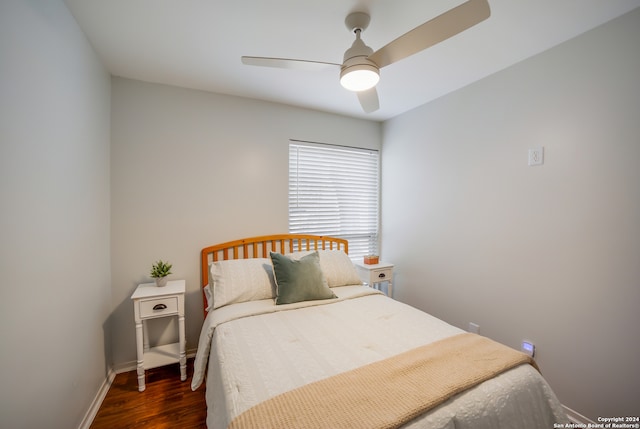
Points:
point(125, 367)
point(576, 417)
point(97, 401)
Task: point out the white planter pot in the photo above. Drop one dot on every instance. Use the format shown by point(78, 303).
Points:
point(161, 281)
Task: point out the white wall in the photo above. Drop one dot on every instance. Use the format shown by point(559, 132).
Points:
point(191, 169)
point(55, 292)
point(548, 253)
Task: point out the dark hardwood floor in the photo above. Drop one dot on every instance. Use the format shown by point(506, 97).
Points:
point(167, 402)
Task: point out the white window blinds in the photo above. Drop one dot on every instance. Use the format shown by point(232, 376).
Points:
point(333, 191)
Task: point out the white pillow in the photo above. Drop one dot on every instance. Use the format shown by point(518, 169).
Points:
point(241, 280)
point(208, 292)
point(336, 266)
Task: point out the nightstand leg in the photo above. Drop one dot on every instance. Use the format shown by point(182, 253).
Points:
point(183, 345)
point(390, 290)
point(140, 353)
point(145, 335)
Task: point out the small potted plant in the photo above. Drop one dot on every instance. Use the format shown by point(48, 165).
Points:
point(159, 271)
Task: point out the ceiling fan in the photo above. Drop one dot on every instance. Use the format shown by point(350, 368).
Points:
point(360, 70)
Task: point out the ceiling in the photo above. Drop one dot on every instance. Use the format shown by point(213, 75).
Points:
point(198, 44)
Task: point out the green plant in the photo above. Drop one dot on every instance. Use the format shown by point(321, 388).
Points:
point(160, 269)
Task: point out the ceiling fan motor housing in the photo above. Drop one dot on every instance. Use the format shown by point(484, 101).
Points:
point(357, 66)
point(358, 72)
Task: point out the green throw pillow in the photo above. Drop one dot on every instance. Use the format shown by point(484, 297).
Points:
point(299, 280)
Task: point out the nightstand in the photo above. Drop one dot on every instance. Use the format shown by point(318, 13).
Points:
point(152, 302)
point(374, 274)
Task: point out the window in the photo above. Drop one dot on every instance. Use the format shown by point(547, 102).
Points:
point(333, 190)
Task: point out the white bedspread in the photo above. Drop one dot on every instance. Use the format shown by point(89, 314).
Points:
point(271, 349)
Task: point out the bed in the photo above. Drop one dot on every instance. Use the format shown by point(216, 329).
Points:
point(293, 339)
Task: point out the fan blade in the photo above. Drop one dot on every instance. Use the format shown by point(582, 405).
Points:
point(432, 32)
point(286, 63)
point(369, 100)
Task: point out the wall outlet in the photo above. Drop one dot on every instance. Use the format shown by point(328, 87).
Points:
point(474, 328)
point(528, 348)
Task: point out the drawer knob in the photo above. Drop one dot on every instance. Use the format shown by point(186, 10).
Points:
point(381, 275)
point(159, 307)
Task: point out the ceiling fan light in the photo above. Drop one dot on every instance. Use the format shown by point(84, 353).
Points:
point(359, 77)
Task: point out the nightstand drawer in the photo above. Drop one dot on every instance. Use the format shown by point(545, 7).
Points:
point(381, 275)
point(158, 307)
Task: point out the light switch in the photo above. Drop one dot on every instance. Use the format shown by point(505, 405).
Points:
point(536, 156)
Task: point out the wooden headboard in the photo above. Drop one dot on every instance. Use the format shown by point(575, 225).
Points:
point(259, 247)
